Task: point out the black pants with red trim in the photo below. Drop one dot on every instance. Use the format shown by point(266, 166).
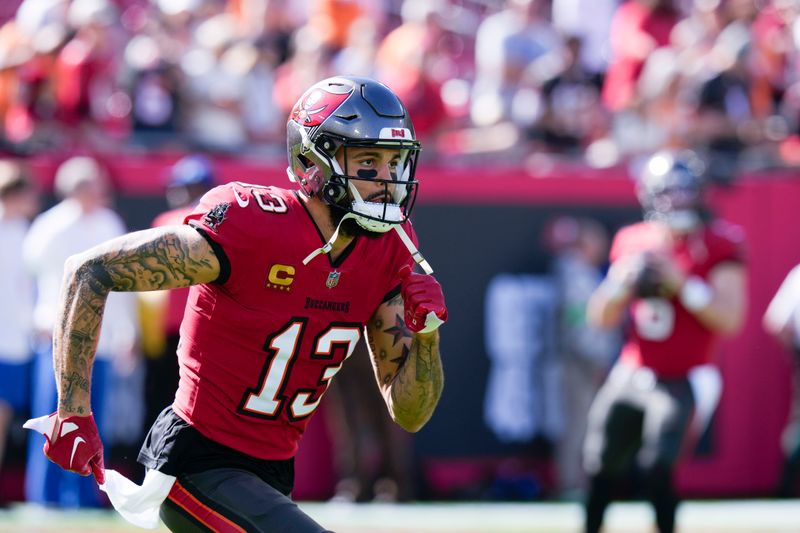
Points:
point(230, 500)
point(636, 416)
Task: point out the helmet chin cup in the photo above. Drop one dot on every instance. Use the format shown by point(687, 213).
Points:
point(373, 225)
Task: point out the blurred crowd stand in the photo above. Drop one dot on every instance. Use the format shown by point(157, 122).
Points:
point(598, 82)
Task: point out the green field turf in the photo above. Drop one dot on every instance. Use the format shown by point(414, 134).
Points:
point(694, 517)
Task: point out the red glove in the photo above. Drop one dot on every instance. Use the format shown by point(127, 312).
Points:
point(423, 298)
point(73, 443)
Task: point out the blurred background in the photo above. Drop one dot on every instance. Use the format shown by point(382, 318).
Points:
point(533, 116)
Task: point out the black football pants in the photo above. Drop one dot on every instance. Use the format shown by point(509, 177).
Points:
point(636, 416)
point(229, 500)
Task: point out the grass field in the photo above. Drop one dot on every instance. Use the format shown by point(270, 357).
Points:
point(751, 516)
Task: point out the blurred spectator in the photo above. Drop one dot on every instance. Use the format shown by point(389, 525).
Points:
point(309, 63)
point(373, 457)
point(589, 21)
point(660, 117)
point(85, 72)
point(782, 320)
point(638, 28)
point(580, 248)
point(573, 114)
point(19, 202)
point(516, 51)
point(725, 125)
point(681, 278)
point(773, 47)
point(278, 26)
point(154, 87)
point(357, 57)
point(213, 112)
point(332, 20)
point(188, 180)
point(406, 59)
point(81, 220)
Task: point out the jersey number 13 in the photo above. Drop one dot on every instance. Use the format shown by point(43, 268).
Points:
point(267, 399)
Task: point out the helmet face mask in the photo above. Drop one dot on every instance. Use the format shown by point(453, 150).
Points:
point(342, 114)
point(670, 190)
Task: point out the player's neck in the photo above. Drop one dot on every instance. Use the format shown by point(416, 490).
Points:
point(320, 214)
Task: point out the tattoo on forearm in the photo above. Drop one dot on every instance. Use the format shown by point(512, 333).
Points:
point(396, 300)
point(132, 263)
point(165, 263)
point(401, 359)
point(419, 381)
point(425, 357)
point(72, 383)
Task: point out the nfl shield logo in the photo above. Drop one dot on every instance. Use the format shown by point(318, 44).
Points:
point(333, 279)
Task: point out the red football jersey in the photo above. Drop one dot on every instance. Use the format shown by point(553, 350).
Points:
point(260, 346)
point(663, 335)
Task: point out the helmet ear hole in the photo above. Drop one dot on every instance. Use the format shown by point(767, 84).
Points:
point(334, 191)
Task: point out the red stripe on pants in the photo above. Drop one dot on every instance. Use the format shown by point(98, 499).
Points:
point(201, 512)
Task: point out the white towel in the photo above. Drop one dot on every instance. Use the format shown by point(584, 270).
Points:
point(138, 504)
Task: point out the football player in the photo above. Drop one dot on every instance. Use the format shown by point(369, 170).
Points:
point(679, 276)
point(284, 284)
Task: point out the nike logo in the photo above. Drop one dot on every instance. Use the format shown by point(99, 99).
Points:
point(78, 440)
point(243, 202)
point(68, 427)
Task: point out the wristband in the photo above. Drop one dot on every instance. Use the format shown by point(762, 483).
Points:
point(696, 294)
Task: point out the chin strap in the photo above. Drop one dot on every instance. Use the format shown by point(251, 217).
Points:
point(421, 261)
point(328, 246)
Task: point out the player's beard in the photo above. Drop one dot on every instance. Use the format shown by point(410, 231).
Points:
point(350, 227)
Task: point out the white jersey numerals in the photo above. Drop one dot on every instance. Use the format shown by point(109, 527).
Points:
point(266, 200)
point(269, 202)
point(654, 319)
point(266, 400)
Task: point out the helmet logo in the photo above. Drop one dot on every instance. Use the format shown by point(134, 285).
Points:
point(394, 133)
point(317, 105)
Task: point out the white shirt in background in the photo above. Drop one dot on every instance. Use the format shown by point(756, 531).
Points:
point(16, 293)
point(55, 235)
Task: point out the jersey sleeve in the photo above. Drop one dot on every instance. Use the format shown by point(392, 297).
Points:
point(620, 245)
point(729, 243)
point(224, 218)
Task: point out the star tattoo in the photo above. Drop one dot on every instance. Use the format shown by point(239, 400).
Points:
point(401, 360)
point(399, 330)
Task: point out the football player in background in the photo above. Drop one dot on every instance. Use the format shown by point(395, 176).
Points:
point(680, 277)
point(782, 320)
point(284, 283)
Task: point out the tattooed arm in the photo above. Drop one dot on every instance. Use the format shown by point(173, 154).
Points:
point(407, 366)
point(155, 259)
